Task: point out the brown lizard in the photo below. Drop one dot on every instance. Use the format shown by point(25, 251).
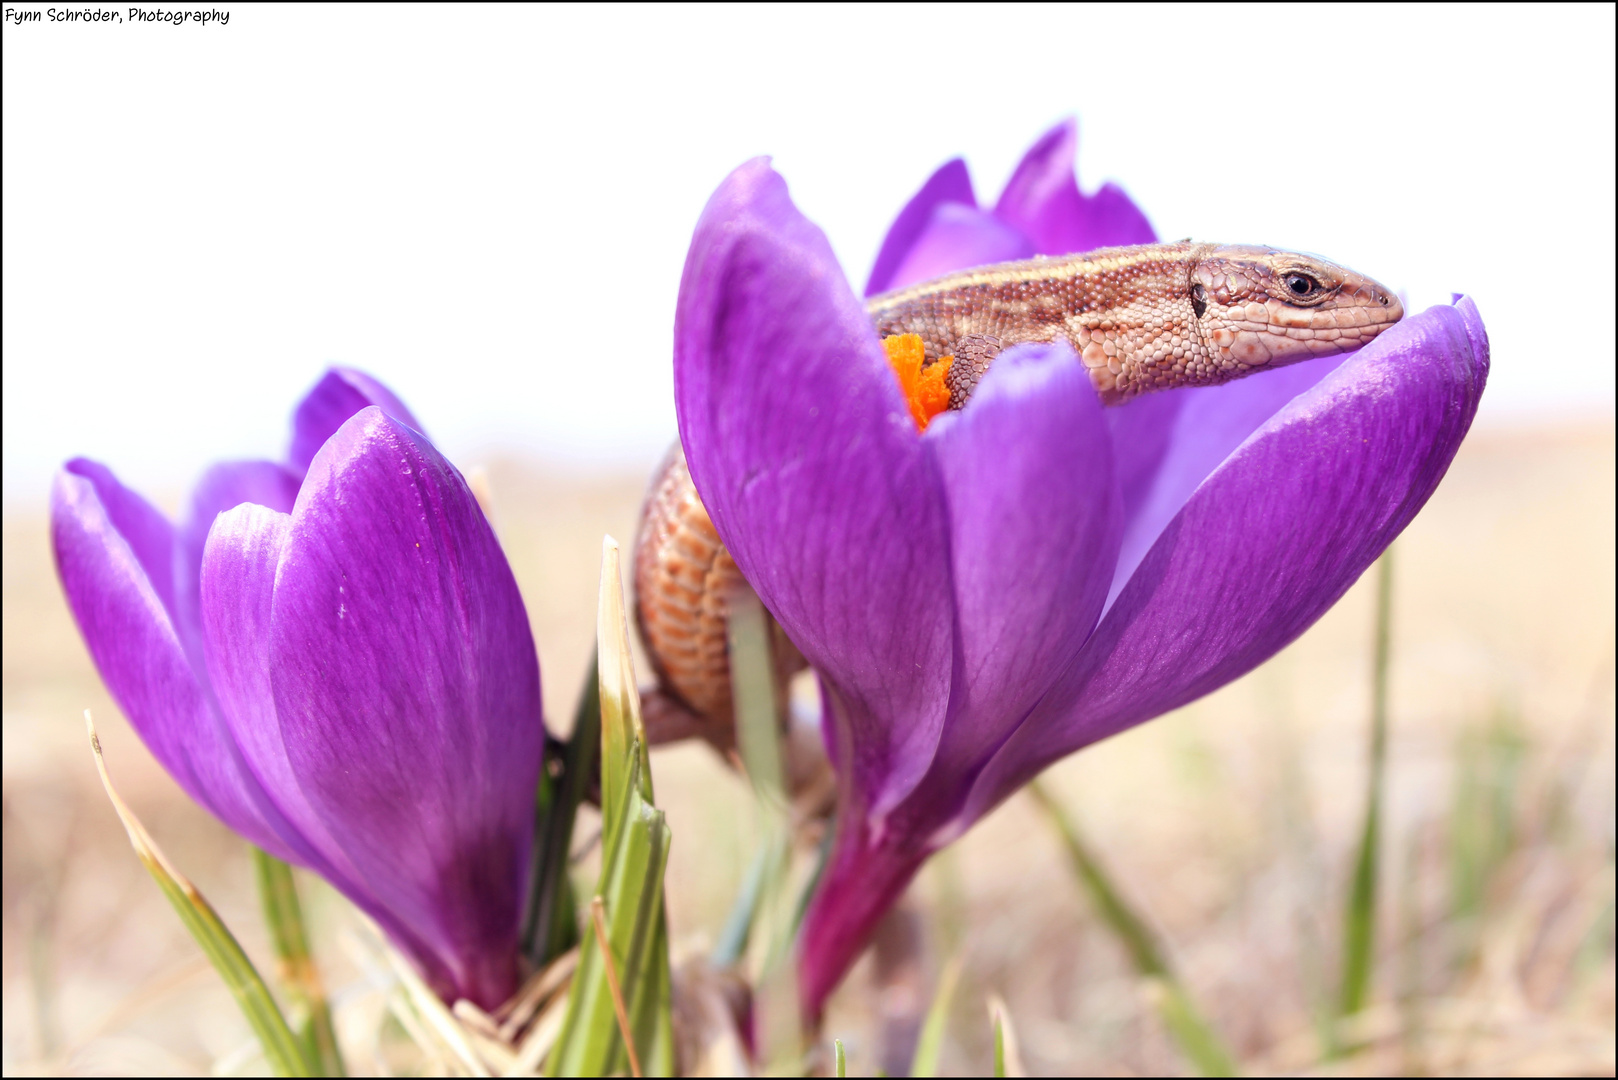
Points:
point(1143, 318)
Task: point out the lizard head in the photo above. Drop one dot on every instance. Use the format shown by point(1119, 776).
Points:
point(1256, 307)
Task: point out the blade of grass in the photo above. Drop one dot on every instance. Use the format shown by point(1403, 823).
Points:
point(779, 1023)
point(842, 1060)
point(295, 968)
point(550, 927)
point(1359, 915)
point(598, 921)
point(1007, 1057)
point(822, 857)
point(634, 855)
point(738, 928)
point(925, 1063)
point(752, 674)
point(281, 1047)
point(1185, 1024)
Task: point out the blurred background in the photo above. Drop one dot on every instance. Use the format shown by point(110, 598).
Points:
point(488, 209)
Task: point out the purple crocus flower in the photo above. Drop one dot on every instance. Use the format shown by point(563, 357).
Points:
point(1033, 573)
point(331, 655)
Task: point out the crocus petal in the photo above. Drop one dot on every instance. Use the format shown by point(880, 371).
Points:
point(1192, 432)
point(222, 487)
point(1035, 522)
point(957, 237)
point(407, 688)
point(1269, 541)
point(1042, 201)
point(340, 394)
point(806, 457)
point(1020, 619)
point(141, 525)
point(108, 576)
point(951, 184)
point(238, 575)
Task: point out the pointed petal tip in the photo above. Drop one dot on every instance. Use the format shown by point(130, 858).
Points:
point(1043, 200)
point(339, 394)
point(950, 185)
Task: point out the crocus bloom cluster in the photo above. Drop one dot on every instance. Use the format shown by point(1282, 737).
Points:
point(331, 655)
point(1032, 573)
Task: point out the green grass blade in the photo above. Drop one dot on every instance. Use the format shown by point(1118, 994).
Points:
point(1359, 915)
point(281, 1047)
point(752, 674)
point(931, 1040)
point(300, 980)
point(842, 1060)
point(1007, 1057)
point(778, 1021)
point(550, 926)
point(738, 928)
point(632, 879)
point(1196, 1038)
point(635, 846)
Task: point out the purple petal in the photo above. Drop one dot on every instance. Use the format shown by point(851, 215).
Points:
point(141, 525)
point(1035, 520)
point(238, 575)
point(957, 237)
point(108, 576)
point(806, 457)
point(1270, 541)
point(951, 184)
point(1042, 200)
point(408, 693)
point(1171, 442)
point(339, 394)
point(222, 487)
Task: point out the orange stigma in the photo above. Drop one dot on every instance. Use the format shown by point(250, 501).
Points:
point(924, 388)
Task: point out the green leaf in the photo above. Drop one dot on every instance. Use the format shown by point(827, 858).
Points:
point(842, 1061)
point(281, 1047)
point(931, 1041)
point(300, 981)
point(1185, 1024)
point(634, 854)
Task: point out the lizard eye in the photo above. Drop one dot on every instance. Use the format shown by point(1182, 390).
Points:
point(1301, 285)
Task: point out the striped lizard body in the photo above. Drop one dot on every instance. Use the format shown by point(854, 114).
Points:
point(1141, 319)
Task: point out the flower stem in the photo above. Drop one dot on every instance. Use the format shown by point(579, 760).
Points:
point(1196, 1038)
point(1359, 917)
point(295, 968)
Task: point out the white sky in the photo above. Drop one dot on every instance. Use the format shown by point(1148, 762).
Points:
point(489, 208)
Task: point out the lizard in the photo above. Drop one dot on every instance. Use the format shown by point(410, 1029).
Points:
point(1141, 319)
